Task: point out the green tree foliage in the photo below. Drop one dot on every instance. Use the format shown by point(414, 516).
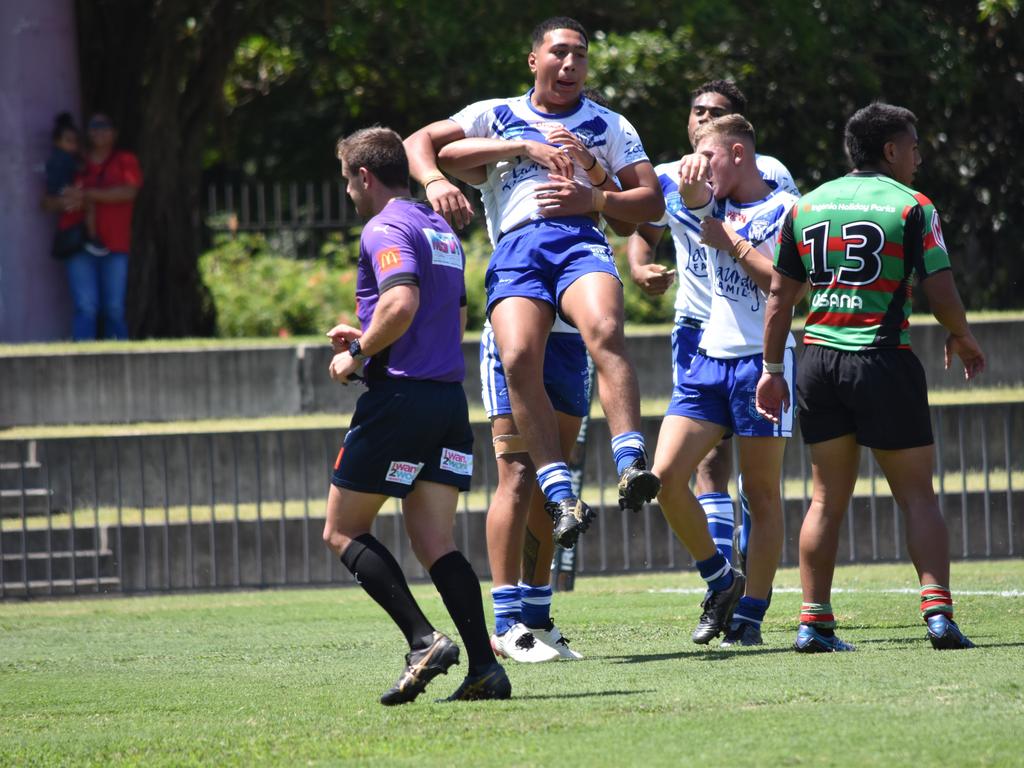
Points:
point(262, 90)
point(804, 66)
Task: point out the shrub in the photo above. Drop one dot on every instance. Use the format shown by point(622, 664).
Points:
point(257, 293)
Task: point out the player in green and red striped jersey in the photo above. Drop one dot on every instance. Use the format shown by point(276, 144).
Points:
point(860, 241)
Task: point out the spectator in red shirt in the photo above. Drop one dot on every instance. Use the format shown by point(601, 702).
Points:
point(108, 183)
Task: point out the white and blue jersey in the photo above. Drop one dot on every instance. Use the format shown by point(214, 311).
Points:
point(736, 326)
point(606, 134)
point(693, 293)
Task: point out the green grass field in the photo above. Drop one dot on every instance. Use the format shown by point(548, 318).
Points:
point(292, 678)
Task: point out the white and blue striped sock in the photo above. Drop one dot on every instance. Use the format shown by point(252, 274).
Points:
point(555, 481)
point(536, 605)
point(749, 610)
point(721, 524)
point(716, 571)
point(508, 607)
point(627, 448)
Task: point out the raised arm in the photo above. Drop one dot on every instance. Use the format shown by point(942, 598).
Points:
point(421, 148)
point(640, 199)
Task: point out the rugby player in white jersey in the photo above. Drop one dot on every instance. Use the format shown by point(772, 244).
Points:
point(519, 541)
point(551, 258)
point(709, 100)
point(736, 215)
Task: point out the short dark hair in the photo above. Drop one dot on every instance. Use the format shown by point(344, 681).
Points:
point(63, 123)
point(379, 150)
point(727, 88)
point(871, 128)
point(558, 22)
point(734, 126)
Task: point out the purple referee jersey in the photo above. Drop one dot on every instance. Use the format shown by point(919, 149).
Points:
point(408, 244)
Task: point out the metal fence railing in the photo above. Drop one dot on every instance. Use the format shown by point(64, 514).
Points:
point(297, 216)
point(245, 509)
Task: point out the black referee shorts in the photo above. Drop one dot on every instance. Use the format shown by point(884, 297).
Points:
point(878, 395)
point(403, 431)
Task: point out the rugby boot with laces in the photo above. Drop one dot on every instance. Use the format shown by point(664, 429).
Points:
point(421, 667)
point(743, 633)
point(520, 643)
point(945, 635)
point(572, 517)
point(491, 683)
point(637, 486)
point(550, 637)
point(810, 640)
point(718, 607)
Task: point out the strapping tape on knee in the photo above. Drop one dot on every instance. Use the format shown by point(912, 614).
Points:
point(505, 445)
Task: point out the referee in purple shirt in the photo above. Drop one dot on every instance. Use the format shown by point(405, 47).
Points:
point(410, 436)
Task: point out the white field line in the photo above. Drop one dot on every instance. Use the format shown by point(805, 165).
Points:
point(857, 591)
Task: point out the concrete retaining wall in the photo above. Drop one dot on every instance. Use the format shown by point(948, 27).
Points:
point(244, 382)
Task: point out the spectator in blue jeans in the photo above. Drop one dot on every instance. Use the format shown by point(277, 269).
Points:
point(108, 183)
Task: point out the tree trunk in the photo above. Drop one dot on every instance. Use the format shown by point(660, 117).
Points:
point(158, 68)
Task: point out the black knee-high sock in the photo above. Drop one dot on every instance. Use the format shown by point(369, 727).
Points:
point(460, 589)
point(379, 574)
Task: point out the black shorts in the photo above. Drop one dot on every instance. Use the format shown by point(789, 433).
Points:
point(404, 431)
point(878, 395)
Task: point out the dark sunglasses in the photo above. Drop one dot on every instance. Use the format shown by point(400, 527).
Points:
point(95, 125)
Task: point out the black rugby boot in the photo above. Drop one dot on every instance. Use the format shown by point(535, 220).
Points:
point(718, 607)
point(420, 668)
point(572, 517)
point(637, 486)
point(492, 683)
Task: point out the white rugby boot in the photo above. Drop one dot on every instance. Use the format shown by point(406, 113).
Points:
point(552, 638)
point(520, 644)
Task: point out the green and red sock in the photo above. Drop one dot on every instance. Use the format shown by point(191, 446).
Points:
point(936, 599)
point(819, 616)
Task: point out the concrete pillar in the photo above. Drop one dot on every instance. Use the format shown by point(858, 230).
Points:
point(38, 79)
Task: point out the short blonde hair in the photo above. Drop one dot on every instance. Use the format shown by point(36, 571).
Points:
point(734, 126)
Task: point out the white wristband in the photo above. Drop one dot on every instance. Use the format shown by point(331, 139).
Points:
point(773, 367)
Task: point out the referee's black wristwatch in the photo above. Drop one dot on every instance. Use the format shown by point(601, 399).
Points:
point(356, 350)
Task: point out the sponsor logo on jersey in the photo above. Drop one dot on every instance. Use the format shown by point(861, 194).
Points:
point(456, 462)
point(591, 132)
point(760, 229)
point(826, 300)
point(388, 258)
point(445, 250)
point(403, 472)
point(734, 284)
point(860, 207)
point(382, 228)
point(697, 263)
point(937, 231)
point(673, 203)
